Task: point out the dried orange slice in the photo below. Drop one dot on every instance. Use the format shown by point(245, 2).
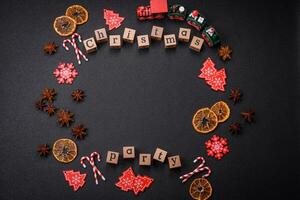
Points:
point(78, 13)
point(64, 150)
point(64, 25)
point(222, 111)
point(200, 189)
point(205, 120)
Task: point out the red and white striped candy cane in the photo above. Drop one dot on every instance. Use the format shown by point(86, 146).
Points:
point(200, 168)
point(78, 52)
point(92, 163)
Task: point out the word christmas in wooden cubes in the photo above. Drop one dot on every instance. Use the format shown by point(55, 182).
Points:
point(143, 40)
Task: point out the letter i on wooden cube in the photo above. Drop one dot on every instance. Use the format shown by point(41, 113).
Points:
point(112, 157)
point(129, 35)
point(160, 155)
point(145, 159)
point(174, 162)
point(115, 41)
point(184, 34)
point(157, 32)
point(128, 152)
point(143, 41)
point(90, 45)
point(196, 43)
point(170, 41)
point(101, 35)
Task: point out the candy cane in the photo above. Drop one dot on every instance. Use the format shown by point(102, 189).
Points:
point(78, 52)
point(200, 168)
point(92, 163)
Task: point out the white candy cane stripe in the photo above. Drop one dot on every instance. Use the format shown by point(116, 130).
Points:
point(78, 52)
point(90, 159)
point(200, 168)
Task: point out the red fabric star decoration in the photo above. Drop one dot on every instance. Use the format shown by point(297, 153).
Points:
point(113, 20)
point(128, 181)
point(216, 79)
point(75, 179)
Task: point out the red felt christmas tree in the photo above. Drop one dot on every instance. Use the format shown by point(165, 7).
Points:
point(113, 20)
point(75, 179)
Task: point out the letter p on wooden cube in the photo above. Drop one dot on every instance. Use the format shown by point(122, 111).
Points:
point(112, 157)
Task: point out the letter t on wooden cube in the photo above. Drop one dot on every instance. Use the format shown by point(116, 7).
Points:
point(157, 32)
point(160, 155)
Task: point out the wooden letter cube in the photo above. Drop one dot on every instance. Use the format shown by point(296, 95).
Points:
point(128, 35)
point(170, 41)
point(101, 35)
point(128, 152)
point(90, 45)
point(157, 33)
point(145, 159)
point(174, 162)
point(112, 157)
point(196, 43)
point(115, 41)
point(184, 34)
point(143, 41)
point(160, 155)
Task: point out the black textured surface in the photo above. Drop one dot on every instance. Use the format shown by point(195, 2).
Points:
point(146, 98)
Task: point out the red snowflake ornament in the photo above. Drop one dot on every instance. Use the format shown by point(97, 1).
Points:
point(113, 20)
point(128, 181)
point(217, 147)
point(75, 179)
point(65, 73)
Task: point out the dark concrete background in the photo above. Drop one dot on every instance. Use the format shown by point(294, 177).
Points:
point(147, 99)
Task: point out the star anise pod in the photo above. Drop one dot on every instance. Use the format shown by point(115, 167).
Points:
point(50, 109)
point(235, 95)
point(48, 94)
point(50, 48)
point(225, 52)
point(65, 117)
point(248, 116)
point(235, 128)
point(40, 104)
point(44, 150)
point(78, 95)
point(79, 131)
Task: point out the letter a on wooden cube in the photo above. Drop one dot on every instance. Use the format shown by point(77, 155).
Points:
point(174, 162)
point(115, 41)
point(157, 32)
point(90, 45)
point(196, 43)
point(160, 155)
point(145, 159)
point(143, 41)
point(101, 35)
point(112, 157)
point(184, 34)
point(128, 152)
point(128, 35)
point(170, 41)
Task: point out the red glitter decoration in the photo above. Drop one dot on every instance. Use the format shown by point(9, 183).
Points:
point(128, 181)
point(217, 147)
point(65, 73)
point(75, 179)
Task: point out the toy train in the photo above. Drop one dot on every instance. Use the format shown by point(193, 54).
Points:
point(159, 9)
